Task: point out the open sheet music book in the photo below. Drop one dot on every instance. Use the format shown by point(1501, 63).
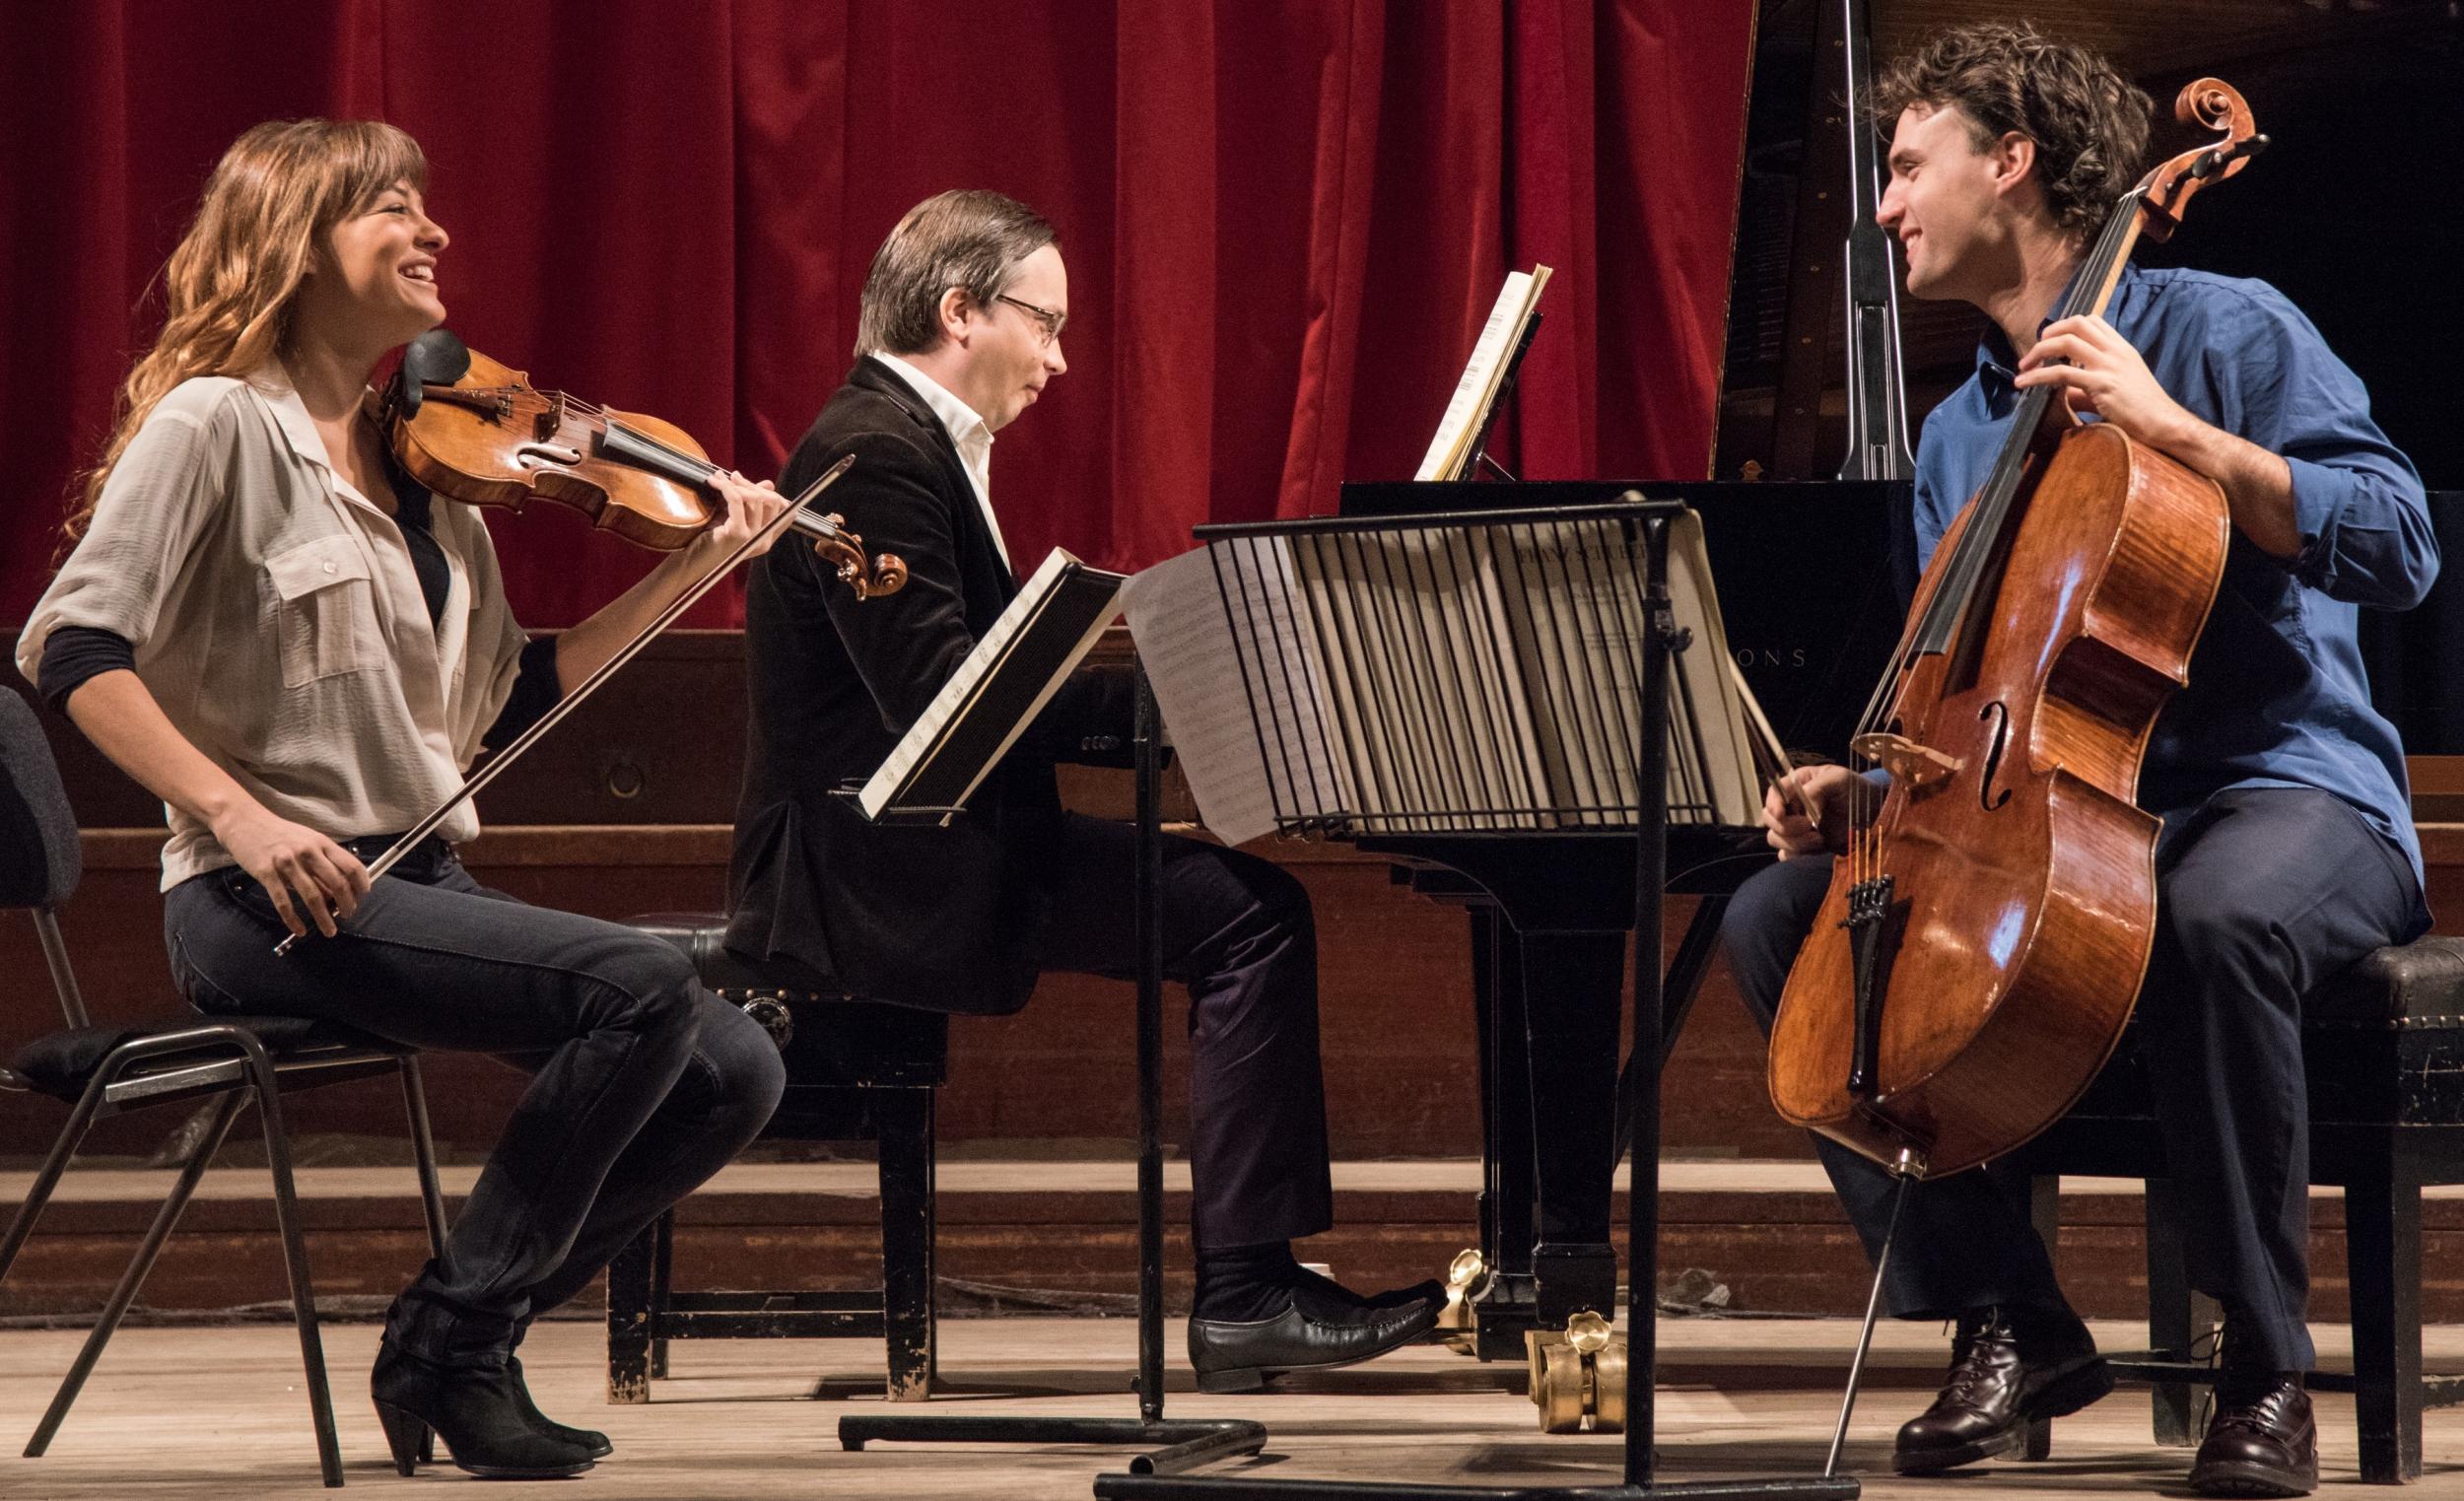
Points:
point(1452, 679)
point(997, 691)
point(1451, 453)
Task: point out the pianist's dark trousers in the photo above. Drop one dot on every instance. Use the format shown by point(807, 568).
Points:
point(2262, 894)
point(1238, 932)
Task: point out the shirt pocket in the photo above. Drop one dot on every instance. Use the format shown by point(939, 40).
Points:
point(322, 595)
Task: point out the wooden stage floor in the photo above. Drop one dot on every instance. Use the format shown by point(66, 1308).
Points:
point(215, 1413)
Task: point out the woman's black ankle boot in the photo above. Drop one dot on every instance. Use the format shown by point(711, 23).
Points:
point(590, 1440)
point(474, 1410)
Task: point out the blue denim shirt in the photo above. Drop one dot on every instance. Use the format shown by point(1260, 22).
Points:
point(2277, 694)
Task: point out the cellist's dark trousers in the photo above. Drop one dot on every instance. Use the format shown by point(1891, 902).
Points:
point(2262, 895)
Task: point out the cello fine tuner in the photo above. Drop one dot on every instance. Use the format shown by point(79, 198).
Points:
point(1918, 765)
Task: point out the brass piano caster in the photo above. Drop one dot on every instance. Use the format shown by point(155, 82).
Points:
point(1459, 1322)
point(1577, 1377)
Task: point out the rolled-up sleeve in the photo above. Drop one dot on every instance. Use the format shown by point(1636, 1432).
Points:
point(2357, 499)
point(159, 496)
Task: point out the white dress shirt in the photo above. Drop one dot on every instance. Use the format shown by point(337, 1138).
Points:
point(966, 429)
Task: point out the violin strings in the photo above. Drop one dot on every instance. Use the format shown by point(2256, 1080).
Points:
point(593, 410)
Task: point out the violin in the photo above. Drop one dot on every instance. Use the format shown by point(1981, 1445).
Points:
point(473, 431)
point(1985, 934)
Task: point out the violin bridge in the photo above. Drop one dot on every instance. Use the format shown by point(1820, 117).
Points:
point(1916, 766)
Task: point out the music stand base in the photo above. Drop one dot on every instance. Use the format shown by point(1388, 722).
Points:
point(1173, 1445)
point(1140, 1487)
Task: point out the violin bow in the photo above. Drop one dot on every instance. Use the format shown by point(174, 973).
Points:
point(410, 840)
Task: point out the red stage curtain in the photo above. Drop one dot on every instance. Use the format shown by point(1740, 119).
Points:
point(1284, 221)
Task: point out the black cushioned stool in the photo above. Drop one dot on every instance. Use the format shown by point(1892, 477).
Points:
point(857, 1072)
point(2383, 1045)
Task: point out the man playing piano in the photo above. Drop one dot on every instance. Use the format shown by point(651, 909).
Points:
point(960, 330)
point(2288, 851)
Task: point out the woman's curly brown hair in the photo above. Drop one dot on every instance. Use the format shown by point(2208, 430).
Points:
point(2089, 123)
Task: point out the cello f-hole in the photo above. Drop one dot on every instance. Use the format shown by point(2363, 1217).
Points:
point(1986, 797)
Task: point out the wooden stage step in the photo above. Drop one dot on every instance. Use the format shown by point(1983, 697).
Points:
point(1021, 1234)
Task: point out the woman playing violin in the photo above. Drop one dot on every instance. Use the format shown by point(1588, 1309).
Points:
point(274, 630)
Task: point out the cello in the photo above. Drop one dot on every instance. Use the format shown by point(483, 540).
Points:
point(1985, 933)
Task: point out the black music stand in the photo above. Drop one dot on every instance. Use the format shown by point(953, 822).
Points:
point(1660, 640)
point(1175, 1445)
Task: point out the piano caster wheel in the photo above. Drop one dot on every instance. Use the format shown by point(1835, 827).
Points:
point(1607, 1373)
point(1459, 1322)
point(1577, 1377)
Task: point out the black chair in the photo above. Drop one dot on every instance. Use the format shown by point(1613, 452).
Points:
point(105, 1071)
point(2383, 1045)
point(857, 1072)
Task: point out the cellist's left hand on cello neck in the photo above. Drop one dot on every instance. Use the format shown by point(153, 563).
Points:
point(2105, 377)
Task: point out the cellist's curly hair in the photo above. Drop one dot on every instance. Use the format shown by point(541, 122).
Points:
point(228, 289)
point(2089, 123)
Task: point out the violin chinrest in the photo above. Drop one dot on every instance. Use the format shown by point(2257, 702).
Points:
point(436, 358)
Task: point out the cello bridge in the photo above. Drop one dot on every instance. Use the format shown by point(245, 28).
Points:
point(1917, 766)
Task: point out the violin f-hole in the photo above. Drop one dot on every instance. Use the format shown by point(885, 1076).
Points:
point(1985, 794)
point(547, 453)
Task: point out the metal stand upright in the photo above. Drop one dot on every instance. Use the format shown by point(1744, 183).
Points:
point(1660, 640)
point(1172, 1446)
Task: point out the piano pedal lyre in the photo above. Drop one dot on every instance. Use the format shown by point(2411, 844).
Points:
point(1577, 1377)
point(1459, 1322)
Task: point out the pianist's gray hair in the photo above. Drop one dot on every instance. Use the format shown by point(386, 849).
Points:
point(971, 238)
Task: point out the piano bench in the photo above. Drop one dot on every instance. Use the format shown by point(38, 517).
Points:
point(857, 1072)
point(2383, 1048)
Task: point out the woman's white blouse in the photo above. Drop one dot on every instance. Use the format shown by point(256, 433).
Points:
point(276, 617)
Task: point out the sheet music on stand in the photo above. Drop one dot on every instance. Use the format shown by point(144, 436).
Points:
point(1014, 671)
point(1465, 673)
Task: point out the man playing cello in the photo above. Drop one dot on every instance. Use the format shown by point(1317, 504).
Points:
point(2269, 769)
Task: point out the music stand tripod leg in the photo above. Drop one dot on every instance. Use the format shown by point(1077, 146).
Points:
point(1172, 1446)
point(1660, 640)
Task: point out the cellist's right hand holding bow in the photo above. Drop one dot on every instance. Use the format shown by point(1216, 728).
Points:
point(1807, 812)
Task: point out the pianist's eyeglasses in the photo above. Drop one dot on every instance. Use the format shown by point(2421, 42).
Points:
point(1046, 318)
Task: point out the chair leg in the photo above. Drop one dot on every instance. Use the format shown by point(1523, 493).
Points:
point(106, 1322)
point(629, 1292)
point(907, 1234)
point(2175, 1318)
point(424, 1153)
point(2383, 1264)
point(63, 1147)
point(662, 1288)
point(296, 1264)
point(2044, 1209)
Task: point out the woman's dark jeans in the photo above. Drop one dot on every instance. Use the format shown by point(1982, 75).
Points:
point(643, 1084)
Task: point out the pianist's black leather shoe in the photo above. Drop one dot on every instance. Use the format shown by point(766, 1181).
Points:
point(2260, 1442)
point(2008, 1367)
point(1242, 1357)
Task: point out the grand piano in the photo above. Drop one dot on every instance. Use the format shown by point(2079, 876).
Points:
point(1548, 914)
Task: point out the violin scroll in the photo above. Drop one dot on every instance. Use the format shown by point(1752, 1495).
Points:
point(881, 574)
point(2211, 104)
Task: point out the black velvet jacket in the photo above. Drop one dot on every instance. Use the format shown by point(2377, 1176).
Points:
point(935, 917)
